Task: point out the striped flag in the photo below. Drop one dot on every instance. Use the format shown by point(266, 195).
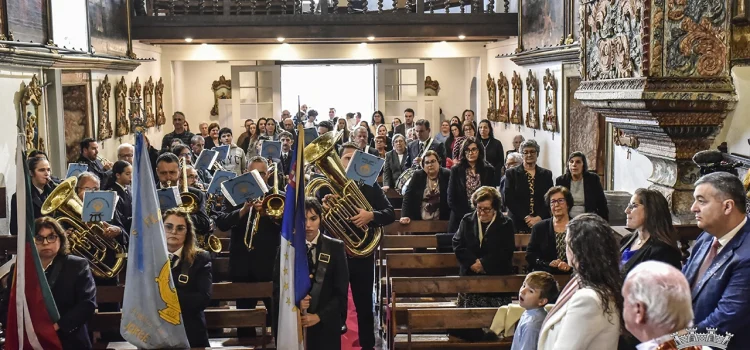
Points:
point(32, 312)
point(294, 280)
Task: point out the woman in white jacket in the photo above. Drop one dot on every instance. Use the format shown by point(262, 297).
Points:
point(588, 311)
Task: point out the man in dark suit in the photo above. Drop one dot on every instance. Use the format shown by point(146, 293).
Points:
point(362, 270)
point(250, 264)
point(328, 297)
point(396, 161)
point(417, 147)
point(169, 174)
point(718, 270)
point(89, 154)
point(415, 205)
point(408, 122)
point(360, 137)
point(286, 146)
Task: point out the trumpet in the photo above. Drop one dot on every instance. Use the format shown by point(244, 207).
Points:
point(103, 160)
point(189, 200)
point(217, 166)
point(273, 204)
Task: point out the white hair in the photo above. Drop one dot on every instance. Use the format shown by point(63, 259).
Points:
point(124, 146)
point(516, 156)
point(87, 175)
point(664, 292)
point(358, 129)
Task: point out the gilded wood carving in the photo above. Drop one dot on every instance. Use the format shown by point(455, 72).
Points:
point(148, 96)
point(503, 103)
point(161, 118)
point(517, 116)
point(613, 41)
point(492, 95)
point(30, 100)
point(621, 139)
point(135, 103)
point(697, 41)
point(122, 126)
point(222, 89)
point(105, 126)
point(431, 87)
point(550, 102)
point(532, 115)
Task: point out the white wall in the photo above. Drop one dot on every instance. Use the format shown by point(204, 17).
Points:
point(108, 148)
point(736, 128)
point(192, 89)
point(551, 153)
point(12, 79)
point(454, 77)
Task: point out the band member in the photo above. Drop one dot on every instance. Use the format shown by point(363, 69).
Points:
point(89, 182)
point(70, 281)
point(327, 300)
point(361, 270)
point(426, 197)
point(42, 155)
point(89, 156)
point(168, 171)
point(39, 171)
point(122, 177)
point(250, 264)
point(191, 274)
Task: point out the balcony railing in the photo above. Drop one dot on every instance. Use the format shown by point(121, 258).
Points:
point(312, 7)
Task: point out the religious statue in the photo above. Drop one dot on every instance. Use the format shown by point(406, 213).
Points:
point(492, 95)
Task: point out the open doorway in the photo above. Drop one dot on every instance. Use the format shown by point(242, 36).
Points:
point(346, 87)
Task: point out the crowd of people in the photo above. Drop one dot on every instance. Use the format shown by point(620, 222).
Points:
point(462, 174)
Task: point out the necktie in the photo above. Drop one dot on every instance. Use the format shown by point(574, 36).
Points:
point(421, 148)
point(310, 263)
point(173, 260)
point(715, 245)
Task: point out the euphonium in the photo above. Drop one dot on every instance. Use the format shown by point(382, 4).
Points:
point(189, 201)
point(87, 240)
point(273, 204)
point(358, 240)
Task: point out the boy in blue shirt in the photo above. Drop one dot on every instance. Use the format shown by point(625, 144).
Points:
point(538, 289)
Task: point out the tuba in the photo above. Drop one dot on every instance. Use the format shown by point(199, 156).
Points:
point(358, 240)
point(273, 204)
point(105, 255)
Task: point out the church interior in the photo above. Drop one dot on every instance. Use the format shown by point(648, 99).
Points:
point(638, 86)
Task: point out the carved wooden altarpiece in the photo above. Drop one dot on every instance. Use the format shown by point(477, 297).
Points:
point(532, 116)
point(492, 95)
point(148, 106)
point(503, 102)
point(517, 116)
point(659, 69)
point(122, 126)
point(105, 125)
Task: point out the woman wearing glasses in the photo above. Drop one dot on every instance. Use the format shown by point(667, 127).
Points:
point(70, 281)
point(654, 237)
point(484, 245)
point(427, 193)
point(546, 250)
point(525, 187)
point(191, 274)
point(466, 177)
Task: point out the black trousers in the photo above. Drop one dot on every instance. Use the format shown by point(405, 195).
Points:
point(361, 279)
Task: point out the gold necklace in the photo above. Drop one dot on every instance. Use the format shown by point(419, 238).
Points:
point(433, 184)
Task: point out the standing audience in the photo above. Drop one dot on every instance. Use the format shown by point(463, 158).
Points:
point(213, 136)
point(236, 161)
point(466, 177)
point(493, 149)
point(586, 188)
point(180, 132)
point(396, 161)
point(426, 197)
point(525, 187)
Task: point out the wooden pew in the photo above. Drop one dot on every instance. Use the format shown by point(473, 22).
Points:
point(442, 319)
point(417, 227)
point(447, 286)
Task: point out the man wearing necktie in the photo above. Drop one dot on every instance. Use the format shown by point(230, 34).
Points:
point(417, 147)
point(718, 269)
point(286, 147)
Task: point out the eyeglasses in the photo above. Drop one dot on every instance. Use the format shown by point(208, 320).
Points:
point(529, 153)
point(472, 150)
point(192, 176)
point(87, 189)
point(49, 239)
point(170, 228)
point(559, 201)
point(632, 206)
point(430, 162)
point(485, 210)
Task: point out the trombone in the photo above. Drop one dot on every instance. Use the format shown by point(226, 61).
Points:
point(273, 204)
point(191, 205)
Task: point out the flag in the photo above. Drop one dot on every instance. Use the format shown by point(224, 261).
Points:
point(294, 280)
point(151, 316)
point(32, 312)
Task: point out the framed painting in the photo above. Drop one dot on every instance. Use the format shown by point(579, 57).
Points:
point(27, 20)
point(77, 113)
point(108, 27)
point(542, 23)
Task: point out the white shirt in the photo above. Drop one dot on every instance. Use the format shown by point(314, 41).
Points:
point(309, 124)
point(178, 254)
point(400, 157)
point(314, 242)
point(723, 241)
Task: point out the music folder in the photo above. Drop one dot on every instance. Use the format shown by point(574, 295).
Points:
point(99, 206)
point(243, 188)
point(310, 135)
point(206, 159)
point(364, 167)
point(169, 198)
point(223, 152)
point(271, 149)
point(219, 177)
point(74, 169)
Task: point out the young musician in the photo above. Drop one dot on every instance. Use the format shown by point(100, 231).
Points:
point(191, 274)
point(42, 186)
point(122, 176)
point(327, 299)
point(250, 264)
point(361, 270)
